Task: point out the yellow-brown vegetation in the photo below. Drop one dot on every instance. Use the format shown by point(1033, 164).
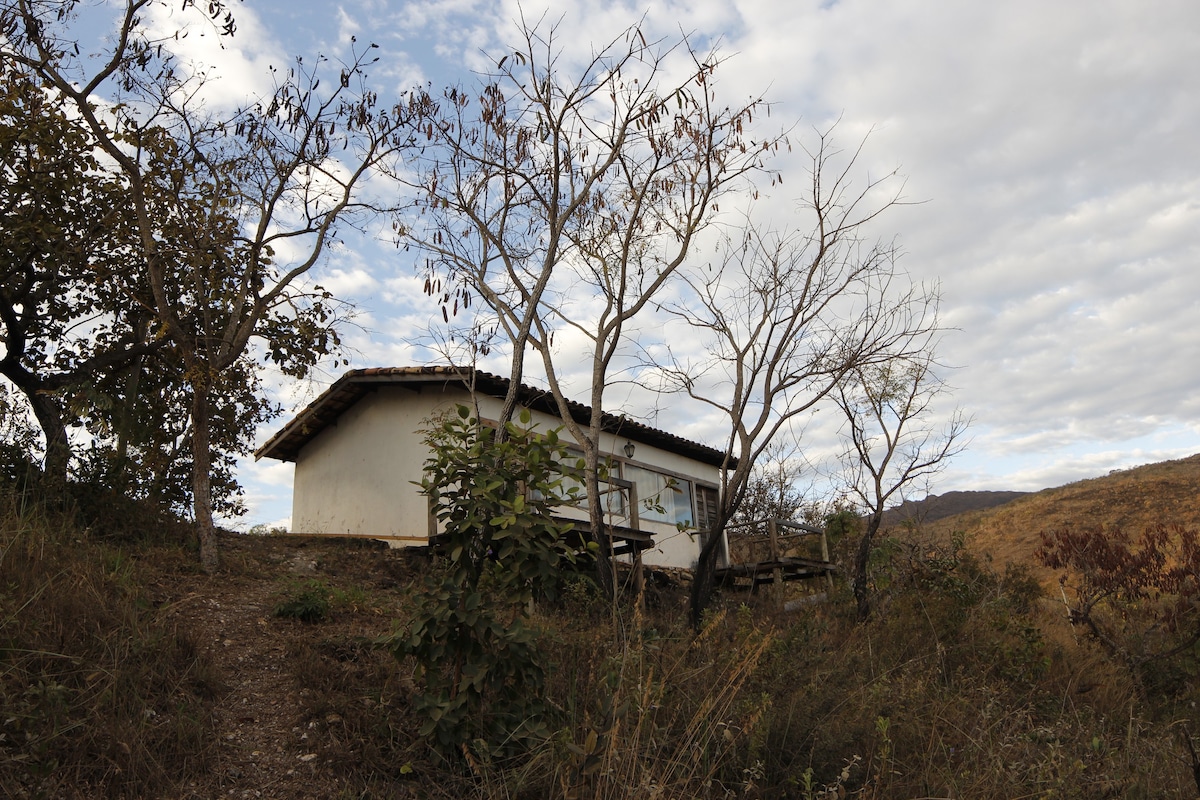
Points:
point(127, 672)
point(1132, 498)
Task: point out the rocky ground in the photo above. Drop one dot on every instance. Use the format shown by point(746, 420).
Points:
point(268, 743)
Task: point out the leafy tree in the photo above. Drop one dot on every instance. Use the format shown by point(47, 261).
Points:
point(1136, 596)
point(18, 440)
point(70, 298)
point(1139, 599)
point(230, 213)
point(76, 319)
point(141, 439)
point(494, 499)
point(569, 202)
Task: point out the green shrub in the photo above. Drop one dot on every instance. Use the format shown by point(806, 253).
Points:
point(311, 603)
point(471, 637)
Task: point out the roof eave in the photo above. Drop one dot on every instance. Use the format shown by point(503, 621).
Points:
point(286, 444)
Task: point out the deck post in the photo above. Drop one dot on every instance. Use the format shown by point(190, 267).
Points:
point(825, 557)
point(773, 532)
point(639, 580)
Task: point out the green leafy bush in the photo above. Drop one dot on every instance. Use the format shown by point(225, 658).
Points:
point(476, 651)
point(310, 604)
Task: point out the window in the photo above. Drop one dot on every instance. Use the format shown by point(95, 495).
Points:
point(613, 499)
point(579, 499)
point(707, 498)
point(661, 498)
point(706, 506)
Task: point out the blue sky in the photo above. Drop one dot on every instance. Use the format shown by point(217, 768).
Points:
point(1052, 147)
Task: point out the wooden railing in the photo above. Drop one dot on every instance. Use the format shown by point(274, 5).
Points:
point(777, 546)
point(773, 539)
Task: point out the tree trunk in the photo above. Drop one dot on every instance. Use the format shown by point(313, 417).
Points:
point(201, 478)
point(516, 375)
point(605, 568)
point(133, 379)
point(862, 597)
point(706, 566)
point(48, 410)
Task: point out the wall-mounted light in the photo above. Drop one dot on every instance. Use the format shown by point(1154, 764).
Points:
point(628, 448)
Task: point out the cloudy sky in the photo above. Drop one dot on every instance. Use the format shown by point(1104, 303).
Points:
point(1052, 147)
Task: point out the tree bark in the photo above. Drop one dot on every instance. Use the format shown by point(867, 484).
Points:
point(201, 477)
point(605, 567)
point(48, 410)
point(862, 597)
point(133, 379)
point(706, 566)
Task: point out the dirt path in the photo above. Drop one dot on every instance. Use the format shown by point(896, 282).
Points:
point(265, 747)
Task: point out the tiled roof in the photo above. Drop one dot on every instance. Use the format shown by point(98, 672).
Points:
point(350, 388)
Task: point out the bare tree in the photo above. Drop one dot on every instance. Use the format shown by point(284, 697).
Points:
point(894, 444)
point(543, 190)
point(230, 212)
point(773, 489)
point(787, 316)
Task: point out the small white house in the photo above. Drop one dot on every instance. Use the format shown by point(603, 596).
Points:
point(359, 448)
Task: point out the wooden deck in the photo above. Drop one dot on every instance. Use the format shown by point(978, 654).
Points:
point(777, 571)
point(775, 551)
point(763, 552)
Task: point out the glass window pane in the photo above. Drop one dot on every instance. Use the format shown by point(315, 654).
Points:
point(683, 503)
point(660, 498)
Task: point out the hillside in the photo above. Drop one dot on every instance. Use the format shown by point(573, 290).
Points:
point(127, 672)
point(193, 686)
point(936, 507)
point(1168, 491)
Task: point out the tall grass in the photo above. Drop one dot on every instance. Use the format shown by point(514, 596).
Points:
point(665, 714)
point(960, 690)
point(966, 685)
point(100, 695)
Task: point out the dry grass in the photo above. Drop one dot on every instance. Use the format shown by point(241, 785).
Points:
point(665, 714)
point(1133, 498)
point(959, 691)
point(965, 685)
point(101, 696)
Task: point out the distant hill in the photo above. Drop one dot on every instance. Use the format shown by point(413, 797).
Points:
point(1133, 498)
point(935, 507)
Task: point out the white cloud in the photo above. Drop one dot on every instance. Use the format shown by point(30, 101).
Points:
point(268, 493)
point(1053, 145)
point(238, 66)
point(349, 284)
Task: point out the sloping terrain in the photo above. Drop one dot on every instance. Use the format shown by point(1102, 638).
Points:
point(936, 507)
point(1134, 498)
point(278, 734)
point(256, 704)
point(262, 738)
point(127, 672)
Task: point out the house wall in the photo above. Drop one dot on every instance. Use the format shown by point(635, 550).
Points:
point(357, 477)
point(672, 547)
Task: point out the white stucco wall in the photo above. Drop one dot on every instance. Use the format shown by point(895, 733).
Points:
point(356, 477)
